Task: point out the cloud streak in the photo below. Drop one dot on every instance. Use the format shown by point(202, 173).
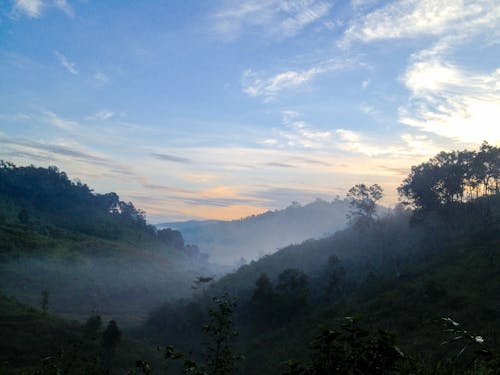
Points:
point(171, 158)
point(65, 63)
point(412, 18)
point(278, 18)
point(253, 84)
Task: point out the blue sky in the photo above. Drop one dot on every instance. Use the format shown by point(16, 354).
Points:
point(220, 109)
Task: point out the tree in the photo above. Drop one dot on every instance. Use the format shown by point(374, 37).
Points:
point(171, 238)
point(220, 358)
point(263, 300)
point(335, 274)
point(293, 292)
point(363, 202)
point(109, 341)
point(351, 350)
point(93, 324)
point(451, 177)
point(44, 303)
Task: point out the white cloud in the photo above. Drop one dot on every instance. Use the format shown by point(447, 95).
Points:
point(411, 18)
point(408, 145)
point(65, 63)
point(64, 6)
point(452, 102)
point(35, 8)
point(53, 119)
point(297, 134)
point(31, 8)
point(102, 115)
point(101, 77)
point(254, 85)
point(283, 18)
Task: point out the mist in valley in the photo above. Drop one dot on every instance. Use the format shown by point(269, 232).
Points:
point(249, 187)
point(237, 242)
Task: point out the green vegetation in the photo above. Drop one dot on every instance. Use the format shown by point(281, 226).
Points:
point(33, 340)
point(425, 279)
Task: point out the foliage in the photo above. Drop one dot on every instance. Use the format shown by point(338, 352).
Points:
point(219, 356)
point(363, 202)
point(93, 325)
point(351, 350)
point(455, 176)
point(47, 195)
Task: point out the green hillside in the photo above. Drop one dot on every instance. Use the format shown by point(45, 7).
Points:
point(30, 336)
point(91, 252)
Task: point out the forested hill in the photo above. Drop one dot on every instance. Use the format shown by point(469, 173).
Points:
point(89, 251)
point(448, 200)
point(257, 235)
point(431, 261)
point(46, 196)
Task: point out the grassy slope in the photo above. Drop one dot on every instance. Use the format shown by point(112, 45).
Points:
point(28, 335)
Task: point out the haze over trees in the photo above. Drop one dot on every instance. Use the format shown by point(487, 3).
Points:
point(254, 236)
point(427, 272)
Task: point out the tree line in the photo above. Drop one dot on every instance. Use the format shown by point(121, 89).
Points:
point(450, 177)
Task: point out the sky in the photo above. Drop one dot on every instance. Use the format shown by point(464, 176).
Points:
point(221, 109)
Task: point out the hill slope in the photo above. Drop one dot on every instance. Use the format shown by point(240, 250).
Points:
point(28, 336)
point(254, 236)
point(91, 252)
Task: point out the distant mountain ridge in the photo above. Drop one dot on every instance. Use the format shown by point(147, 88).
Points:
point(254, 236)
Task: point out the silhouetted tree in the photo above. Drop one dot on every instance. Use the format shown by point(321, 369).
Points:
point(263, 300)
point(293, 291)
point(171, 238)
point(335, 274)
point(109, 340)
point(363, 202)
point(93, 324)
point(450, 177)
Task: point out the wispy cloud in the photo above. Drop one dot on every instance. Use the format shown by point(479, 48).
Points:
point(281, 18)
point(446, 98)
point(64, 6)
point(36, 8)
point(53, 119)
point(53, 149)
point(408, 145)
point(101, 78)
point(412, 18)
point(102, 115)
point(452, 102)
point(269, 87)
point(65, 63)
point(30, 8)
point(296, 133)
point(280, 165)
point(172, 158)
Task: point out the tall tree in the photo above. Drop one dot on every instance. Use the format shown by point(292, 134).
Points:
point(363, 202)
